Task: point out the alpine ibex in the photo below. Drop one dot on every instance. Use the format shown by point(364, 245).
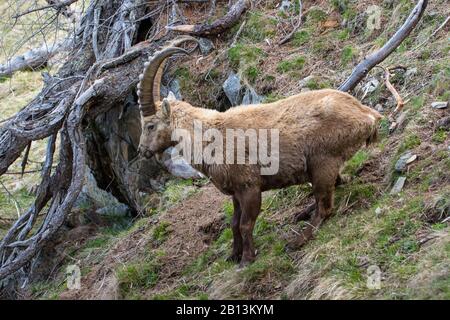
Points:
point(318, 132)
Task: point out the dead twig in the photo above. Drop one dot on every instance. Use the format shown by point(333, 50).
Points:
point(434, 33)
point(58, 6)
point(16, 204)
point(25, 158)
point(297, 26)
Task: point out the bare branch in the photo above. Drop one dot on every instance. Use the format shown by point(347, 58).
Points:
point(375, 58)
point(218, 26)
point(57, 5)
point(297, 26)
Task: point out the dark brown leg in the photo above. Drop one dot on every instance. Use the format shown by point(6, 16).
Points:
point(323, 180)
point(306, 213)
point(236, 254)
point(250, 201)
point(342, 179)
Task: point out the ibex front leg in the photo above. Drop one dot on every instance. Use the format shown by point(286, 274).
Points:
point(250, 201)
point(236, 254)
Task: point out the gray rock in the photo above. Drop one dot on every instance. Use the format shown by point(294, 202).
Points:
point(302, 83)
point(91, 195)
point(439, 105)
point(120, 210)
point(232, 88)
point(285, 5)
point(378, 211)
point(401, 164)
point(174, 87)
point(206, 46)
point(444, 123)
point(410, 73)
point(379, 108)
point(178, 166)
point(371, 85)
point(398, 186)
point(251, 97)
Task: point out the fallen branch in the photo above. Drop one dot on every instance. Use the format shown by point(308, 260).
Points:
point(377, 57)
point(391, 88)
point(297, 26)
point(434, 33)
point(218, 26)
point(59, 6)
point(33, 59)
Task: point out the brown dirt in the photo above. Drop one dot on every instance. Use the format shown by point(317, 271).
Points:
point(193, 224)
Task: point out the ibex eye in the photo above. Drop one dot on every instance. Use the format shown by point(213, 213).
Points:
point(151, 126)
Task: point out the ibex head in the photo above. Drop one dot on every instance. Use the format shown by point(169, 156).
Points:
point(155, 114)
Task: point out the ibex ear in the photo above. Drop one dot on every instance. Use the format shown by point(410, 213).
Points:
point(165, 108)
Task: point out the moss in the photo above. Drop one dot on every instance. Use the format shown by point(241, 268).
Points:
point(315, 14)
point(177, 190)
point(259, 27)
point(272, 97)
point(440, 136)
point(356, 162)
point(347, 55)
point(252, 73)
point(343, 34)
point(301, 37)
point(228, 209)
point(137, 276)
point(315, 84)
point(272, 262)
point(417, 102)
point(410, 142)
point(161, 232)
point(296, 64)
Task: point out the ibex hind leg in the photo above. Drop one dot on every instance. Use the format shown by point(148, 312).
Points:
point(307, 213)
point(324, 181)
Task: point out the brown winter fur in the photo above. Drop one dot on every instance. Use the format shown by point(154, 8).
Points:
point(319, 131)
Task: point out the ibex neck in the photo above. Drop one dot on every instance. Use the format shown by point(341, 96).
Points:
point(184, 116)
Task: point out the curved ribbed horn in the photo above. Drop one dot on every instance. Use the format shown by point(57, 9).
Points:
point(150, 80)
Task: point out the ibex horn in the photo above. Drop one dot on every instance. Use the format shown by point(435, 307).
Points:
point(150, 80)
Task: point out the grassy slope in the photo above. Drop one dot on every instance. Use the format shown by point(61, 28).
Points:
point(401, 234)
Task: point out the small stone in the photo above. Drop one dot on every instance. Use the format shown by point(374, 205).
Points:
point(378, 211)
point(379, 108)
point(120, 210)
point(206, 46)
point(285, 5)
point(411, 73)
point(371, 86)
point(232, 88)
point(412, 159)
point(439, 105)
point(401, 164)
point(398, 186)
point(251, 97)
point(444, 123)
point(302, 83)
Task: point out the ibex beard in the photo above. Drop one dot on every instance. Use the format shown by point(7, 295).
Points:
point(310, 135)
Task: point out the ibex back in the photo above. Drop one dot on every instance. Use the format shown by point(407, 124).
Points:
point(318, 132)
